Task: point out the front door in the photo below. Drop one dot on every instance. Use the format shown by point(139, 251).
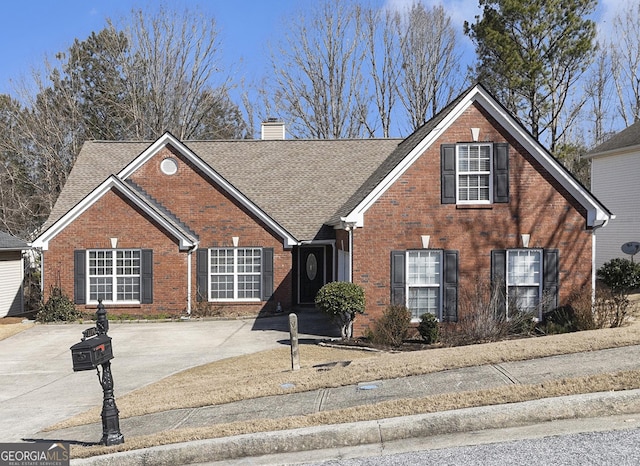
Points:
point(311, 272)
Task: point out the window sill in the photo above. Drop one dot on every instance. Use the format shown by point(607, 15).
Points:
point(238, 301)
point(474, 206)
point(114, 305)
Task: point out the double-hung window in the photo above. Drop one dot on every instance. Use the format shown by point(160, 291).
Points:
point(114, 275)
point(524, 279)
point(235, 274)
point(426, 281)
point(474, 173)
point(424, 275)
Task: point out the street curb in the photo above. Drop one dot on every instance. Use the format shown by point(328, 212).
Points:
point(378, 432)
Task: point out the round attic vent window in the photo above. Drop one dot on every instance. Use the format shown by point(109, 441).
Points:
point(169, 166)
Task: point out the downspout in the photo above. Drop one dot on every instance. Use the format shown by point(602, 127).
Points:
point(350, 278)
point(593, 258)
point(189, 284)
point(350, 226)
point(42, 273)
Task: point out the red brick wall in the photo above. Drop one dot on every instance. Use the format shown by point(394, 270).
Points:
point(207, 210)
point(411, 208)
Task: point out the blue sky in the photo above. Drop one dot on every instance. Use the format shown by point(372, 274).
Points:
point(38, 28)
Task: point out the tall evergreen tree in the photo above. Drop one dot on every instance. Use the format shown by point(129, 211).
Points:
point(531, 54)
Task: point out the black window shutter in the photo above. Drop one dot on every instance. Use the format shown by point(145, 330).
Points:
point(397, 278)
point(79, 277)
point(551, 281)
point(267, 273)
point(448, 173)
point(450, 286)
point(501, 172)
point(146, 262)
point(202, 275)
point(498, 276)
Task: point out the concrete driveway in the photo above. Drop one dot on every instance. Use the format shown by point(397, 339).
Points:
point(39, 388)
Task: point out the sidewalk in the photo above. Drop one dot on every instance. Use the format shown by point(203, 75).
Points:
point(373, 432)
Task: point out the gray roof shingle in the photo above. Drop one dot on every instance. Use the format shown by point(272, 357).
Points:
point(626, 138)
point(399, 153)
point(11, 243)
point(300, 184)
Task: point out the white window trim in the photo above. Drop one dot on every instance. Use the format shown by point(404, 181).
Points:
point(114, 276)
point(439, 285)
point(458, 174)
point(540, 252)
point(235, 274)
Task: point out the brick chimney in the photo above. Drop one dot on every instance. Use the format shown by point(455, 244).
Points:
point(273, 128)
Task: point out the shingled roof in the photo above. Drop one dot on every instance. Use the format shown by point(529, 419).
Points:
point(11, 243)
point(628, 137)
point(298, 183)
point(399, 153)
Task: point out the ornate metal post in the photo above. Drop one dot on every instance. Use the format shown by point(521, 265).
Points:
point(111, 434)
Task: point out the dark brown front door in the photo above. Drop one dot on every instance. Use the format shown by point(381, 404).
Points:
point(311, 272)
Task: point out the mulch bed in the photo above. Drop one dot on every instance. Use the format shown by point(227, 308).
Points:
point(366, 345)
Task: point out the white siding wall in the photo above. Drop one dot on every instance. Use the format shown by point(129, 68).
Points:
point(615, 181)
point(11, 275)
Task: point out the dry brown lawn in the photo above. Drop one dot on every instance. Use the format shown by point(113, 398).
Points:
point(264, 373)
point(9, 326)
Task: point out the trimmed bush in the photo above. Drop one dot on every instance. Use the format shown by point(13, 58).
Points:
point(429, 328)
point(621, 276)
point(342, 301)
point(58, 308)
point(392, 328)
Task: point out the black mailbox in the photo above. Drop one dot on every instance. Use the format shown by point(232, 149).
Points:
point(91, 352)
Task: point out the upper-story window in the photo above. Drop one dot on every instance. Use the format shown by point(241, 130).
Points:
point(474, 173)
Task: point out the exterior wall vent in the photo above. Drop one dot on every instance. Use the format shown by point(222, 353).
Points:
point(273, 128)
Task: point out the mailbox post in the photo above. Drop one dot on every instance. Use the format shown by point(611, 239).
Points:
point(93, 350)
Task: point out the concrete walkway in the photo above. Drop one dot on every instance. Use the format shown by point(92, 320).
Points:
point(204, 337)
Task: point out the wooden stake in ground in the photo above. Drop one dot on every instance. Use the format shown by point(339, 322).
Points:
point(293, 338)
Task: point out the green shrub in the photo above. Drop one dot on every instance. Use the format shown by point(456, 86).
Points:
point(560, 320)
point(342, 301)
point(392, 328)
point(58, 308)
point(429, 328)
point(621, 276)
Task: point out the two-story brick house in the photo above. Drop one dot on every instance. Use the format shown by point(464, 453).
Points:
point(157, 227)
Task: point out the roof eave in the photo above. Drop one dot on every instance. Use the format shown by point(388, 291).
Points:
point(597, 214)
point(185, 241)
point(618, 151)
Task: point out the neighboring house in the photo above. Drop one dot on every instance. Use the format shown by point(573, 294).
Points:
point(615, 180)
point(11, 275)
point(469, 197)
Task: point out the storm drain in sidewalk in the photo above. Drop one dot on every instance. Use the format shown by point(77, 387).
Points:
point(369, 386)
